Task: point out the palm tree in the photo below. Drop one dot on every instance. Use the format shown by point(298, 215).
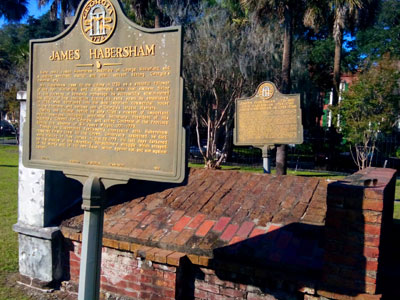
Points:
point(66, 8)
point(343, 10)
point(346, 14)
point(13, 10)
point(141, 8)
point(287, 12)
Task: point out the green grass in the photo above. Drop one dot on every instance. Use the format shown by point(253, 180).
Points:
point(321, 174)
point(247, 151)
point(8, 217)
point(397, 193)
point(234, 168)
point(396, 214)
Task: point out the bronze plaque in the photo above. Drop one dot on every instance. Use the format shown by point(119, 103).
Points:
point(105, 98)
point(268, 118)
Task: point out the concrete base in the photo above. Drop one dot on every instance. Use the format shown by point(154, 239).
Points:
point(40, 255)
point(42, 197)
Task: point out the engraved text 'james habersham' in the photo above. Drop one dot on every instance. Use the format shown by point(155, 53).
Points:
point(105, 53)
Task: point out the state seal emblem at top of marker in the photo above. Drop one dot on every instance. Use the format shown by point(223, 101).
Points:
point(266, 90)
point(98, 20)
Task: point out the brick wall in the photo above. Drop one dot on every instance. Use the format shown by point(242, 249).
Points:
point(338, 258)
point(208, 285)
point(139, 274)
point(359, 209)
point(124, 274)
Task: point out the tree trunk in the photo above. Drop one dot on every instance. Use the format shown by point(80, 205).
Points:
point(338, 27)
point(63, 14)
point(287, 54)
point(281, 151)
point(157, 20)
point(281, 161)
point(336, 71)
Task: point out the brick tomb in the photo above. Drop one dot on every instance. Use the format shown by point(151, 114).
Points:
point(232, 235)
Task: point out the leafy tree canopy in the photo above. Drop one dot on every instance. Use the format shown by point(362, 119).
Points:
point(14, 54)
point(384, 36)
point(369, 108)
point(13, 10)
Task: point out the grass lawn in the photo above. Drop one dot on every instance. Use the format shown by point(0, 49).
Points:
point(322, 174)
point(396, 214)
point(8, 217)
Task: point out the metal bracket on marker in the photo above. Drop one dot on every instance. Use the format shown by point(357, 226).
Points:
point(93, 194)
point(88, 205)
point(266, 150)
point(266, 154)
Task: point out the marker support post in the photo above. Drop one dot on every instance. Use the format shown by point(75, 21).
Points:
point(266, 154)
point(94, 200)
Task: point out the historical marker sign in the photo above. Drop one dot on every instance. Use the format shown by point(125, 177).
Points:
point(105, 98)
point(268, 118)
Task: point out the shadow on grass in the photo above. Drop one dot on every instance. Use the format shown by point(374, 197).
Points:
point(321, 175)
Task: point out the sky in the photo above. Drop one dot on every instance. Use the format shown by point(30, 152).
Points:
point(33, 10)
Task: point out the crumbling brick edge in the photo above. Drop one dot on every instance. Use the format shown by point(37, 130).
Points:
point(174, 258)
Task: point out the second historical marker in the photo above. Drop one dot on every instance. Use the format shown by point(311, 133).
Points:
point(268, 118)
point(105, 97)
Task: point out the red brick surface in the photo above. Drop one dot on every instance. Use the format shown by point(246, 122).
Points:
point(262, 220)
point(245, 229)
point(235, 240)
point(229, 232)
point(181, 223)
point(221, 224)
point(273, 227)
point(205, 228)
point(257, 231)
point(209, 204)
point(197, 221)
